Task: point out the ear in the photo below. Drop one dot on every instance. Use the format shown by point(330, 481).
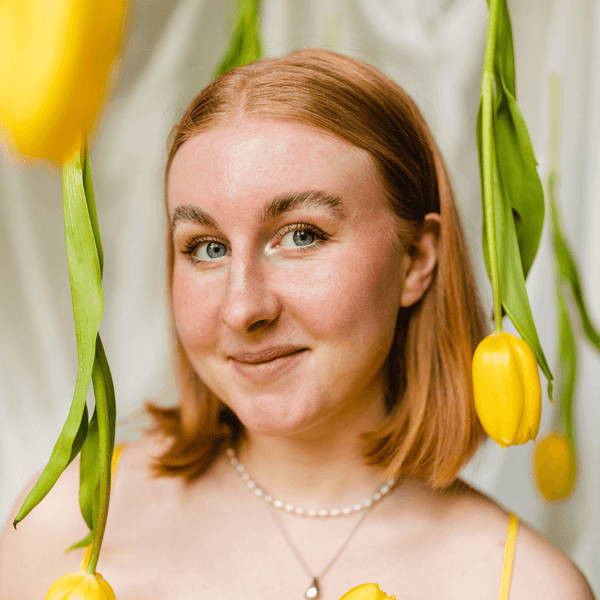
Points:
point(420, 263)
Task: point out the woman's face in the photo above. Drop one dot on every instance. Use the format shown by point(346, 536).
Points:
point(286, 280)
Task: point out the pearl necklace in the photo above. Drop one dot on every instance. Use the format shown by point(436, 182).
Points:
point(298, 510)
point(314, 591)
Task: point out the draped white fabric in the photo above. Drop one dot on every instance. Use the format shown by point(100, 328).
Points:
point(434, 48)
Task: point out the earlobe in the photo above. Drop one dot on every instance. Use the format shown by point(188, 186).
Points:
point(422, 262)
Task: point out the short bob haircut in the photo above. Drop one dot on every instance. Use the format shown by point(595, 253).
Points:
point(431, 429)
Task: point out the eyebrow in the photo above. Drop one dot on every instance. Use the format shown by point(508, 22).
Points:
point(271, 210)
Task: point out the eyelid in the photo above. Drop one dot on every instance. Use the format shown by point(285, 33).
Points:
point(300, 226)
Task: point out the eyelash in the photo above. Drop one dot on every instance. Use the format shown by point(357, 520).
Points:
point(193, 243)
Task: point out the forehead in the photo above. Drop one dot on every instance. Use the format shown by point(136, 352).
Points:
point(256, 159)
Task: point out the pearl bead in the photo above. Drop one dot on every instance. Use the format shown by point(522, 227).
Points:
point(323, 512)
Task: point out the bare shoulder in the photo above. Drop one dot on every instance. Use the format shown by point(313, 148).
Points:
point(33, 556)
point(540, 569)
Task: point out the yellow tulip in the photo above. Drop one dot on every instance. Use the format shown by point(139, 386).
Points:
point(55, 61)
point(366, 591)
point(80, 586)
point(507, 389)
point(554, 466)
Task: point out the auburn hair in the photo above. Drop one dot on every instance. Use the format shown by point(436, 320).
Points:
point(431, 429)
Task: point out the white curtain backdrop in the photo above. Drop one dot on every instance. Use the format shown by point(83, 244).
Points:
point(434, 48)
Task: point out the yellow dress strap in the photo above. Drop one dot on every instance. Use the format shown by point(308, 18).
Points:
point(509, 552)
point(113, 469)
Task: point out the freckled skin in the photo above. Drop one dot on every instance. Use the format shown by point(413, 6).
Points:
point(340, 300)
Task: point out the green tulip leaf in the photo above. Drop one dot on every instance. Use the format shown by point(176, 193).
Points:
point(104, 389)
point(520, 180)
point(88, 305)
point(245, 45)
point(89, 471)
point(504, 57)
point(567, 268)
point(86, 541)
point(106, 410)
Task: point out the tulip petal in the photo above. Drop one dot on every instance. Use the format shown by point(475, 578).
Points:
point(366, 591)
point(532, 408)
point(80, 585)
point(67, 49)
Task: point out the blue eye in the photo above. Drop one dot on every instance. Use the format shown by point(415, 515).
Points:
point(206, 251)
point(299, 238)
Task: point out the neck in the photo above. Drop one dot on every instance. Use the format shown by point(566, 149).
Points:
point(323, 468)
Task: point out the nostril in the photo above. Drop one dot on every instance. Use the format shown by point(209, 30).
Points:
point(257, 325)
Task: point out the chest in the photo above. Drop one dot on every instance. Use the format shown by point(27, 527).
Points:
point(238, 557)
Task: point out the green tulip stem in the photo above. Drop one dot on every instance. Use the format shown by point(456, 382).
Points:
point(488, 160)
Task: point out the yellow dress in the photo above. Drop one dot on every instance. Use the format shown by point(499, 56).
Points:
point(509, 548)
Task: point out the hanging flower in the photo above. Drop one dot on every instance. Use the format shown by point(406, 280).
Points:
point(367, 591)
point(554, 466)
point(55, 61)
point(80, 586)
point(507, 389)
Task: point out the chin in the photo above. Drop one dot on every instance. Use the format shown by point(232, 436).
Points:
point(271, 416)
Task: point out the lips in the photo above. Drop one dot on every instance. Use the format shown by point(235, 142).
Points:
point(265, 355)
point(267, 366)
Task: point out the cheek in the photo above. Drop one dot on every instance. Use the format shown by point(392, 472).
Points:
point(196, 309)
point(356, 299)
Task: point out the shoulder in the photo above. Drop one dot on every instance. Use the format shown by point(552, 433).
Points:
point(540, 569)
point(33, 556)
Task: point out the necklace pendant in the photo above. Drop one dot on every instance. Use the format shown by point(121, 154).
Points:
point(313, 591)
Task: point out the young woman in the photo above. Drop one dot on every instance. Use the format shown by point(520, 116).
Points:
point(324, 321)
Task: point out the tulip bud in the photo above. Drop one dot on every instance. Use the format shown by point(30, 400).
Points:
point(55, 61)
point(507, 389)
point(80, 586)
point(554, 466)
point(366, 591)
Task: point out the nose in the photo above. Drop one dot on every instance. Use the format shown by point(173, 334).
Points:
point(250, 304)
